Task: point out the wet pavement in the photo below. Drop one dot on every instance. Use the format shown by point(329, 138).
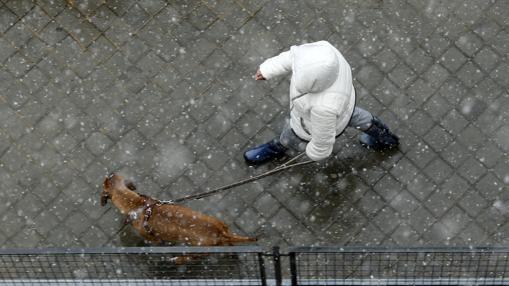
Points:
point(163, 92)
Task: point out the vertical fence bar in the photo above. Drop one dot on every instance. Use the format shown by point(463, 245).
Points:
point(261, 263)
point(276, 256)
point(293, 268)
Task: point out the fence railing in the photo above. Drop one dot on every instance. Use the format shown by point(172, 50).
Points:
point(133, 266)
point(399, 266)
point(254, 266)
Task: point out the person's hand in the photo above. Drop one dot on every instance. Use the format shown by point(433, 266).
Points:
point(259, 76)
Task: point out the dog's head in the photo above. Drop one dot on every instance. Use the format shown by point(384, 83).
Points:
point(112, 183)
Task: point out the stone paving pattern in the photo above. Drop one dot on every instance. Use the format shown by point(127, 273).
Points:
point(163, 92)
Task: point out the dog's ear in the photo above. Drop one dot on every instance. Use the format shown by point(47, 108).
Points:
point(130, 185)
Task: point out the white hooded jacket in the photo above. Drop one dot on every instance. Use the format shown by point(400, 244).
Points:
point(322, 97)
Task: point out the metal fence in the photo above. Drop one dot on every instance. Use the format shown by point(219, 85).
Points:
point(133, 266)
point(253, 266)
point(399, 266)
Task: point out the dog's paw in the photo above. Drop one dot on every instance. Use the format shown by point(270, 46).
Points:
point(179, 260)
point(173, 259)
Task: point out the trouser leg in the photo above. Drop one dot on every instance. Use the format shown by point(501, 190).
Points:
point(361, 119)
point(290, 140)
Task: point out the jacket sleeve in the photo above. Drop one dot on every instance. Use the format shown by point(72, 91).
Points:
point(276, 66)
point(323, 133)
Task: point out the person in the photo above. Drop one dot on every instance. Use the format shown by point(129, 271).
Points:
point(322, 105)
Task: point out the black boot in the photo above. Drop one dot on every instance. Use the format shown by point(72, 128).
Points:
point(378, 136)
point(265, 152)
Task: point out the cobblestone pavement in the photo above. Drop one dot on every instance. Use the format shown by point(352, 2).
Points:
point(163, 92)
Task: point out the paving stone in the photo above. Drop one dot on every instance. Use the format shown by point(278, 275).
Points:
point(487, 29)
point(370, 203)
point(8, 18)
point(404, 171)
point(439, 203)
point(27, 238)
point(82, 31)
point(455, 154)
point(103, 18)
point(453, 59)
point(419, 60)
point(438, 170)
point(36, 19)
point(498, 11)
point(101, 49)
point(420, 91)
point(487, 90)
point(453, 90)
point(421, 154)
point(455, 220)
point(386, 60)
point(402, 75)
point(76, 222)
point(453, 28)
point(438, 138)
point(490, 220)
point(386, 219)
point(490, 187)
point(349, 223)
point(45, 222)
point(97, 143)
point(488, 154)
point(473, 203)
point(497, 75)
point(18, 65)
point(469, 43)
point(18, 34)
point(421, 217)
point(20, 8)
point(388, 187)
point(486, 59)
point(18, 93)
point(421, 122)
point(471, 170)
point(35, 79)
point(472, 11)
point(437, 107)
point(369, 76)
point(405, 235)
point(404, 203)
point(120, 7)
point(6, 49)
point(35, 50)
point(436, 75)
point(435, 44)
point(454, 122)
point(471, 137)
point(472, 233)
point(490, 120)
point(421, 187)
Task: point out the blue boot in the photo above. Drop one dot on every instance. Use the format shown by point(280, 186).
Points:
point(265, 152)
point(378, 136)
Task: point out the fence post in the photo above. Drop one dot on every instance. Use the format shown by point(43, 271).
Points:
point(276, 256)
point(261, 263)
point(293, 268)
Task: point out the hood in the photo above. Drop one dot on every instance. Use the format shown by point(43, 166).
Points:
point(315, 67)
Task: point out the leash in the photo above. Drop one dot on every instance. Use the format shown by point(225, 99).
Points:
point(278, 169)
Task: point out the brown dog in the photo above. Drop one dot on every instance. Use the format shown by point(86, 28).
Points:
point(160, 222)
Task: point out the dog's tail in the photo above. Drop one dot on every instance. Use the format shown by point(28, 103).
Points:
point(234, 239)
